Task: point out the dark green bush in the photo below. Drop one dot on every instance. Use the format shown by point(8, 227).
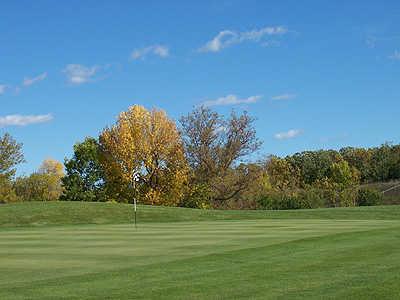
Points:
point(312, 198)
point(369, 197)
point(280, 200)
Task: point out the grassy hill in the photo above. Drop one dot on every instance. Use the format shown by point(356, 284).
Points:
point(64, 213)
point(177, 253)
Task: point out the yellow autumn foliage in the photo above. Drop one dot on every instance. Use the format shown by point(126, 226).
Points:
point(143, 156)
point(52, 166)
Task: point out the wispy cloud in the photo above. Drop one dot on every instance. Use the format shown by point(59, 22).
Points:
point(79, 74)
point(141, 53)
point(25, 83)
point(23, 120)
point(286, 96)
point(395, 55)
point(29, 81)
point(292, 133)
point(228, 38)
point(3, 88)
point(231, 100)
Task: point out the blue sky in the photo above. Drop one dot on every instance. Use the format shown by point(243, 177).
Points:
point(315, 74)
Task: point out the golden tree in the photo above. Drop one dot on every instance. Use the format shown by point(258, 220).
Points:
point(52, 166)
point(43, 185)
point(143, 153)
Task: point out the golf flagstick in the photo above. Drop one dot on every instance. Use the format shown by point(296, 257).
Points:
point(134, 207)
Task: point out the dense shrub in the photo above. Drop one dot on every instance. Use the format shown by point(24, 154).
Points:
point(369, 197)
point(280, 200)
point(311, 198)
point(348, 197)
point(7, 192)
point(38, 187)
point(198, 196)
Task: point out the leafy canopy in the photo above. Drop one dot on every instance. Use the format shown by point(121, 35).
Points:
point(143, 157)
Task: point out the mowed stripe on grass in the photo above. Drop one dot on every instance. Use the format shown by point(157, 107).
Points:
point(289, 258)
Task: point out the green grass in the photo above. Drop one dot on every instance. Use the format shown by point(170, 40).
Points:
point(63, 213)
point(47, 252)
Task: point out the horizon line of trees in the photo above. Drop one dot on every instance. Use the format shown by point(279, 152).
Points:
point(42, 185)
point(201, 161)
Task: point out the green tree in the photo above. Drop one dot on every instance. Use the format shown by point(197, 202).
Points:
point(395, 168)
point(385, 163)
point(340, 186)
point(314, 165)
point(10, 156)
point(360, 159)
point(84, 179)
point(342, 174)
point(282, 175)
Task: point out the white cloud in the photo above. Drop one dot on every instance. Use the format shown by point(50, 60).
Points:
point(284, 97)
point(159, 50)
point(78, 74)
point(29, 81)
point(3, 88)
point(227, 38)
point(395, 55)
point(222, 40)
point(21, 120)
point(256, 35)
point(292, 133)
point(231, 100)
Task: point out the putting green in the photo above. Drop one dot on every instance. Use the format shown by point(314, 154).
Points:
point(227, 259)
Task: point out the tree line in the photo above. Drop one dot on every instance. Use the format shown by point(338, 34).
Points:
point(201, 161)
point(42, 185)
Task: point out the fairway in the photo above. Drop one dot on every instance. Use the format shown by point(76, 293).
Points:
point(218, 259)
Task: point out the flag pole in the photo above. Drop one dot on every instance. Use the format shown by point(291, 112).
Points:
point(134, 205)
